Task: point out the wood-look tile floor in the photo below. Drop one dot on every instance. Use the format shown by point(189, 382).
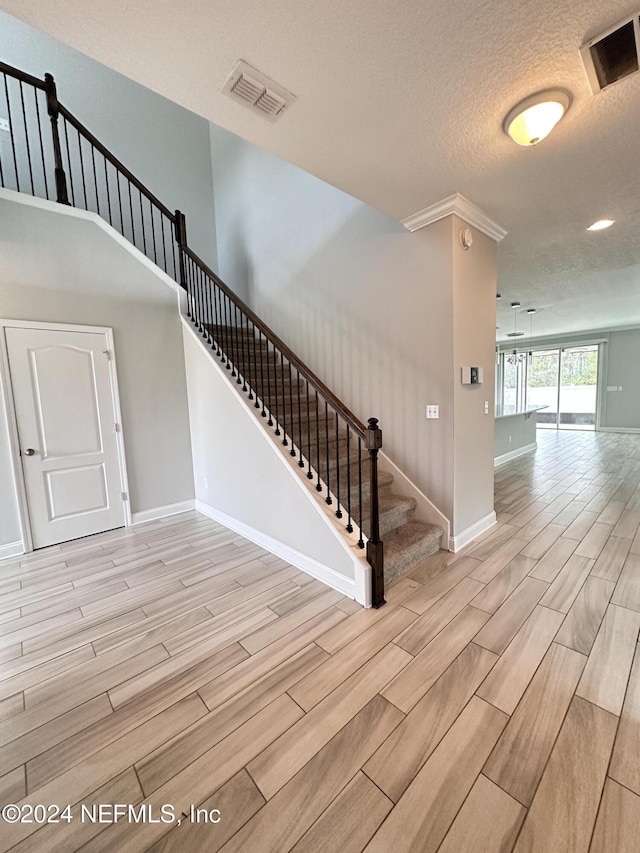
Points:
point(492, 705)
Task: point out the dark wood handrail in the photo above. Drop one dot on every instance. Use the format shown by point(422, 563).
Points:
point(117, 164)
point(22, 75)
point(355, 424)
point(217, 299)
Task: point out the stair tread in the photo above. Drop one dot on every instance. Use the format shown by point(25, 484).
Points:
point(407, 545)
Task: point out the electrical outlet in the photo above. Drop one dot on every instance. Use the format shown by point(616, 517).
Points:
point(4, 124)
point(205, 483)
point(509, 439)
point(433, 411)
point(486, 407)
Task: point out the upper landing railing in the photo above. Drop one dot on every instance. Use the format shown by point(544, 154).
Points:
point(46, 152)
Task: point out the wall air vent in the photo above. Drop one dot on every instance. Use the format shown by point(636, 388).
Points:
point(253, 89)
point(612, 55)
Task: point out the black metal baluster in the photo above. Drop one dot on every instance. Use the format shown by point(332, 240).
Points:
point(253, 385)
point(203, 304)
point(133, 227)
point(329, 499)
point(270, 421)
point(309, 471)
point(244, 325)
point(120, 202)
point(292, 452)
point(144, 236)
point(239, 345)
point(339, 509)
point(221, 331)
point(13, 141)
point(153, 233)
point(300, 446)
point(318, 484)
point(360, 540)
point(189, 289)
point(66, 145)
point(197, 297)
point(164, 244)
point(209, 285)
point(285, 440)
point(226, 331)
point(216, 336)
point(106, 181)
point(234, 339)
point(26, 138)
point(349, 524)
point(275, 401)
point(44, 167)
point(263, 412)
point(84, 182)
point(95, 178)
point(207, 305)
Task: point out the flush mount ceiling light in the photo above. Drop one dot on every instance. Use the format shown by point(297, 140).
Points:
point(601, 224)
point(535, 117)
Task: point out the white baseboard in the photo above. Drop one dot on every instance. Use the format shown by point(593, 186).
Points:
point(468, 535)
point(620, 429)
point(11, 549)
point(307, 564)
point(513, 454)
point(162, 512)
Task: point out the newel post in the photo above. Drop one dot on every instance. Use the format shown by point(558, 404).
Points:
point(180, 225)
point(375, 555)
point(54, 110)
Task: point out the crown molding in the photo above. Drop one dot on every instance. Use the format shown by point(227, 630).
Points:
point(460, 206)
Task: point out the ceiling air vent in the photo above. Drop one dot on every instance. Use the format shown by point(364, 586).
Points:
point(254, 90)
point(612, 55)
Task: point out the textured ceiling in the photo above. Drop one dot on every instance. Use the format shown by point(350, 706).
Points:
point(401, 102)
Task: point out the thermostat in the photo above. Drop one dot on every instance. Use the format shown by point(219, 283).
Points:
point(472, 375)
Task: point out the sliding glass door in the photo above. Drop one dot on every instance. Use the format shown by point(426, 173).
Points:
point(542, 386)
point(564, 380)
point(578, 388)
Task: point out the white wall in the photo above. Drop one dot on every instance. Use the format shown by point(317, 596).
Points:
point(366, 304)
point(241, 472)
point(63, 269)
point(164, 145)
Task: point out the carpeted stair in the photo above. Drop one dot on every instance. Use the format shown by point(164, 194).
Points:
point(312, 428)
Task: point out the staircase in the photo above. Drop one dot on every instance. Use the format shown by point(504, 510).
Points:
point(336, 451)
point(291, 407)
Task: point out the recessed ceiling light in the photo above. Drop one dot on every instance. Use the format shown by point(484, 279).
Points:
point(534, 118)
point(515, 334)
point(601, 224)
point(515, 304)
point(498, 296)
point(531, 310)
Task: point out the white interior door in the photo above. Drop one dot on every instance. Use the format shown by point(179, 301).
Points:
point(64, 402)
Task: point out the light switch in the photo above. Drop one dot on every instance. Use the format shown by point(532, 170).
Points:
point(486, 407)
point(433, 411)
point(4, 124)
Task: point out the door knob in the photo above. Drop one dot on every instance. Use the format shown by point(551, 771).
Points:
point(29, 451)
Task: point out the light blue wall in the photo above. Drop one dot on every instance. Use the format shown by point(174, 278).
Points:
point(164, 145)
